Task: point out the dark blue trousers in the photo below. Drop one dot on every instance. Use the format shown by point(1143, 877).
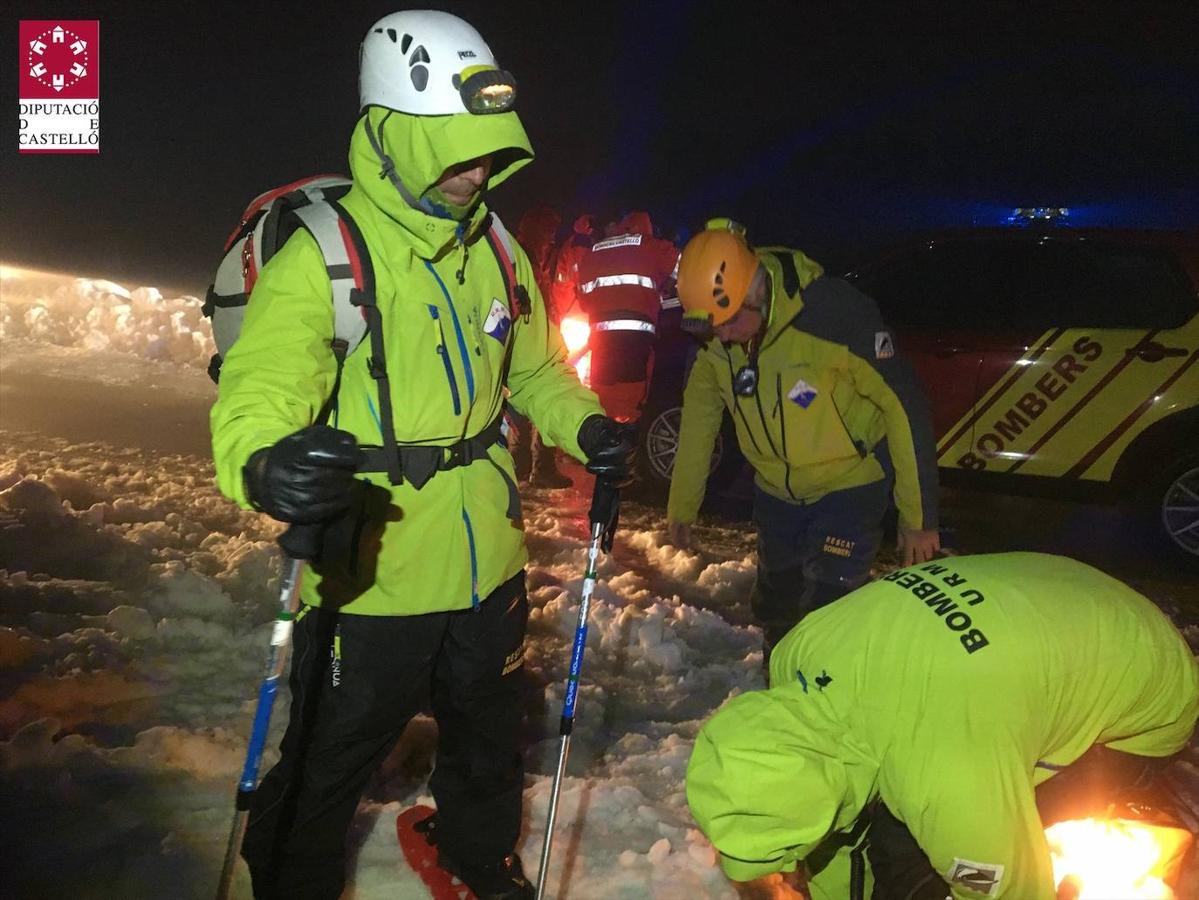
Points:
point(809, 554)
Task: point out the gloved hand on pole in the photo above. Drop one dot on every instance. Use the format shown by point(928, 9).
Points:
point(609, 448)
point(305, 477)
point(610, 453)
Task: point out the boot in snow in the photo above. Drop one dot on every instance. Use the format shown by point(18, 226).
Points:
point(550, 477)
point(503, 880)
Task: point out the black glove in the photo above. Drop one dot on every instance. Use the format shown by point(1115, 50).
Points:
point(304, 478)
point(609, 449)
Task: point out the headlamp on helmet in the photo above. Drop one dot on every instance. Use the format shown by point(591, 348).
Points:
point(699, 325)
point(485, 90)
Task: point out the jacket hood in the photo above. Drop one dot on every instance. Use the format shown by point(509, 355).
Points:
point(786, 307)
point(421, 148)
point(636, 222)
point(769, 779)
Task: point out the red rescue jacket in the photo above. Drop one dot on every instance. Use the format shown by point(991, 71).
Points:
point(624, 276)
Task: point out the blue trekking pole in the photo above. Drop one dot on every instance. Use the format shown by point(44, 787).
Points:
point(605, 503)
point(299, 543)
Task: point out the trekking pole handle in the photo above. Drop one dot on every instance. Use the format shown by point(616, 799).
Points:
point(604, 501)
point(302, 541)
point(605, 511)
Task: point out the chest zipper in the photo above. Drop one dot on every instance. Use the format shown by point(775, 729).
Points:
point(461, 338)
point(445, 361)
point(782, 417)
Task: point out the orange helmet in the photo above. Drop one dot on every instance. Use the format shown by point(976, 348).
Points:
point(715, 271)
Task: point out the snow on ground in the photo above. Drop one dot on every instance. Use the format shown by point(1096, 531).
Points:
point(135, 610)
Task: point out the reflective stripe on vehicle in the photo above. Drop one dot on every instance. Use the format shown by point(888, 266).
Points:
point(629, 278)
point(1089, 459)
point(1086, 398)
point(980, 408)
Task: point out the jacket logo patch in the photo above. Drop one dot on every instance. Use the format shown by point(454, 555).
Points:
point(621, 240)
point(982, 877)
point(802, 393)
point(499, 320)
point(884, 345)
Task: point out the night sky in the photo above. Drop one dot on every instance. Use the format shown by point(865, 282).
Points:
point(830, 127)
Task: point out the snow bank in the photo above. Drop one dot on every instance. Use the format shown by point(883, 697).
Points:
point(94, 314)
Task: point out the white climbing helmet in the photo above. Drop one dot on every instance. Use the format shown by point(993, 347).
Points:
point(429, 63)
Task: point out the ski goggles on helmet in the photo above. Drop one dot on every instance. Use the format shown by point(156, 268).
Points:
point(486, 90)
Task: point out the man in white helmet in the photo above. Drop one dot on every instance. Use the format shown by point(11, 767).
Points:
point(426, 600)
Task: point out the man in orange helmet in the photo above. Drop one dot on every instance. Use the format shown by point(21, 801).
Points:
point(622, 282)
point(811, 376)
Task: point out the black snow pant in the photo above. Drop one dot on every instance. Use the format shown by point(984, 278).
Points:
point(811, 554)
point(1082, 789)
point(356, 681)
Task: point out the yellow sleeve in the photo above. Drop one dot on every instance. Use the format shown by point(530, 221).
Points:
point(703, 411)
point(912, 502)
point(281, 369)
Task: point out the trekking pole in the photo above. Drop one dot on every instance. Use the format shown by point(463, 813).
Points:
point(604, 505)
point(299, 543)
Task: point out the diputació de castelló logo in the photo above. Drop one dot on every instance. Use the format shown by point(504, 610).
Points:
point(59, 86)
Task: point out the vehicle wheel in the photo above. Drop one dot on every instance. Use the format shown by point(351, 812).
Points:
point(1177, 506)
point(659, 443)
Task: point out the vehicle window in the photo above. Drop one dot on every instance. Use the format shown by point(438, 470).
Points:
point(977, 275)
point(1105, 284)
point(950, 285)
point(897, 286)
point(938, 286)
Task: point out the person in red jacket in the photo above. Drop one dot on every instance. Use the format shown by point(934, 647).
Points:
point(562, 294)
point(622, 282)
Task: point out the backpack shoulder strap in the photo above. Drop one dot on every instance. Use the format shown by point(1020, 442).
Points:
point(346, 262)
point(500, 241)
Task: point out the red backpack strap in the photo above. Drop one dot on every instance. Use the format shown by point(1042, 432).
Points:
point(500, 241)
point(312, 185)
point(363, 298)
